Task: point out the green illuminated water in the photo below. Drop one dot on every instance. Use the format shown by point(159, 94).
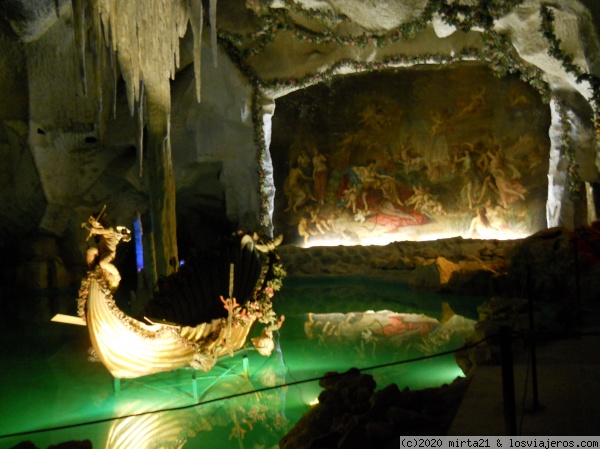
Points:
point(50, 393)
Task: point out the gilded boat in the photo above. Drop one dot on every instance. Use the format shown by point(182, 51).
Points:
point(129, 347)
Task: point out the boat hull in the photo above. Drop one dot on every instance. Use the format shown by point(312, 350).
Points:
point(129, 348)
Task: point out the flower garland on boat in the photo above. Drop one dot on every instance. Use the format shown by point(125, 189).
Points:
point(131, 324)
point(261, 306)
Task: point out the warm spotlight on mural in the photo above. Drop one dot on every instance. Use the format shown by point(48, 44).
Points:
point(383, 240)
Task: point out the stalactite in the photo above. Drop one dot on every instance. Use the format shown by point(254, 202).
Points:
point(213, 29)
point(115, 80)
point(140, 131)
point(99, 65)
point(79, 33)
point(100, 57)
point(181, 18)
point(196, 22)
point(143, 36)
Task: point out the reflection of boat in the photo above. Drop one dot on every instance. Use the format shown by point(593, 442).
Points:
point(131, 348)
point(253, 418)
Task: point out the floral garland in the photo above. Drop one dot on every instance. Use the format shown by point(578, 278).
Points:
point(280, 20)
point(566, 143)
point(555, 50)
point(547, 30)
point(126, 320)
point(399, 60)
point(467, 17)
point(500, 56)
point(328, 16)
point(261, 158)
point(270, 281)
point(463, 17)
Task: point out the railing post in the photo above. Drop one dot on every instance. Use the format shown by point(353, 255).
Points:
point(246, 365)
point(194, 386)
point(532, 347)
point(508, 380)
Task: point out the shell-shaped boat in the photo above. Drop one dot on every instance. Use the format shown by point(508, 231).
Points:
point(131, 348)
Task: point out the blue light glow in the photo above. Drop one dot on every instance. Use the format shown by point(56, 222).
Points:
point(139, 249)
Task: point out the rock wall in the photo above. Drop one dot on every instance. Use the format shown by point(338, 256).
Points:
point(455, 264)
point(555, 265)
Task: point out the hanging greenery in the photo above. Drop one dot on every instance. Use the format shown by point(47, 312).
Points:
point(325, 16)
point(261, 158)
point(566, 143)
point(567, 61)
point(467, 17)
point(463, 17)
point(500, 56)
point(555, 50)
point(281, 20)
point(496, 50)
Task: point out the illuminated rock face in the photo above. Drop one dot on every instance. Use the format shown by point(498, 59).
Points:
point(70, 138)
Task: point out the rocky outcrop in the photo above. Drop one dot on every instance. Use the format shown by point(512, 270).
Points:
point(555, 265)
point(74, 444)
point(455, 264)
point(551, 265)
point(351, 414)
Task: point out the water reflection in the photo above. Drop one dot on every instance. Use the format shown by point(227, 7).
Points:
point(234, 407)
point(237, 410)
point(387, 329)
point(234, 410)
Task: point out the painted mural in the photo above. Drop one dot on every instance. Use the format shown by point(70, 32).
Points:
point(410, 155)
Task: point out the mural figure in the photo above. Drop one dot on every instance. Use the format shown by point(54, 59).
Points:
point(320, 170)
point(439, 155)
point(322, 224)
point(297, 189)
point(305, 229)
point(304, 162)
point(350, 198)
point(367, 179)
point(393, 218)
point(407, 156)
point(375, 197)
point(424, 202)
point(508, 187)
point(481, 225)
point(475, 104)
point(474, 186)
